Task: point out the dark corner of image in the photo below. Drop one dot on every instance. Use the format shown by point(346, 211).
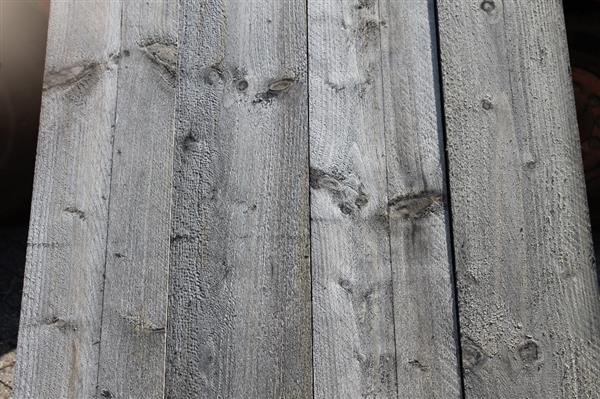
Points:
point(582, 19)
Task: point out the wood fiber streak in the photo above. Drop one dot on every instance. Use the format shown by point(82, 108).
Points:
point(132, 347)
point(527, 283)
point(240, 308)
point(62, 294)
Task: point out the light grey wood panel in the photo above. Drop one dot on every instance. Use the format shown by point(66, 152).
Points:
point(382, 290)
point(239, 309)
point(354, 349)
point(426, 340)
point(528, 294)
point(62, 294)
point(132, 347)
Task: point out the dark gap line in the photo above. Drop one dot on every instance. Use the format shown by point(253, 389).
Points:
point(446, 174)
point(387, 192)
point(310, 263)
point(114, 129)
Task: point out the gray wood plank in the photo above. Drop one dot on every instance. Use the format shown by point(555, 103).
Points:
point(528, 294)
point(62, 294)
point(426, 340)
point(382, 290)
point(354, 350)
point(239, 310)
point(132, 347)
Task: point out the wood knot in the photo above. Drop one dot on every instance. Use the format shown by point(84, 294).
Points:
point(529, 351)
point(75, 211)
point(345, 191)
point(275, 89)
point(163, 54)
point(242, 84)
point(83, 75)
point(415, 206)
point(417, 364)
point(472, 355)
point(488, 6)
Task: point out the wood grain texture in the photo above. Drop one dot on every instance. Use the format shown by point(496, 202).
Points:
point(134, 318)
point(354, 350)
point(62, 295)
point(239, 310)
point(382, 292)
point(426, 339)
point(528, 294)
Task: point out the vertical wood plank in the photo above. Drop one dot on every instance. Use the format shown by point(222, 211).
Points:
point(426, 340)
point(528, 294)
point(132, 347)
point(354, 348)
point(239, 310)
point(62, 294)
point(382, 292)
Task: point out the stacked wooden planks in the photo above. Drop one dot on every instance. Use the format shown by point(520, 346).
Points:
point(248, 199)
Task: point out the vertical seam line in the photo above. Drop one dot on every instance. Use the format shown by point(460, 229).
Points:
point(114, 129)
point(387, 206)
point(310, 262)
point(450, 224)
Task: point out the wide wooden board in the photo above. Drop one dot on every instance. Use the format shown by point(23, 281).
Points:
point(382, 292)
point(62, 294)
point(134, 316)
point(528, 288)
point(239, 311)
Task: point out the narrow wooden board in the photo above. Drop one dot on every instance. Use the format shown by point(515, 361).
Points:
point(425, 319)
point(383, 307)
point(134, 317)
point(528, 288)
point(354, 350)
point(240, 310)
point(62, 294)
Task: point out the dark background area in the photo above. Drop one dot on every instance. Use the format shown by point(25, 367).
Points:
point(23, 26)
point(582, 19)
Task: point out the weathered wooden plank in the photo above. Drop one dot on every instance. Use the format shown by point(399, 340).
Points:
point(353, 315)
point(62, 295)
point(239, 309)
point(528, 294)
point(383, 307)
point(426, 340)
point(134, 317)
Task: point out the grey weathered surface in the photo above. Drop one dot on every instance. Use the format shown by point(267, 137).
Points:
point(426, 340)
point(528, 294)
point(134, 316)
point(239, 310)
point(354, 350)
point(62, 295)
point(376, 173)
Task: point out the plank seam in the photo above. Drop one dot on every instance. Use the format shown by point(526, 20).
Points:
point(112, 142)
point(387, 196)
point(446, 183)
point(171, 200)
point(312, 302)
